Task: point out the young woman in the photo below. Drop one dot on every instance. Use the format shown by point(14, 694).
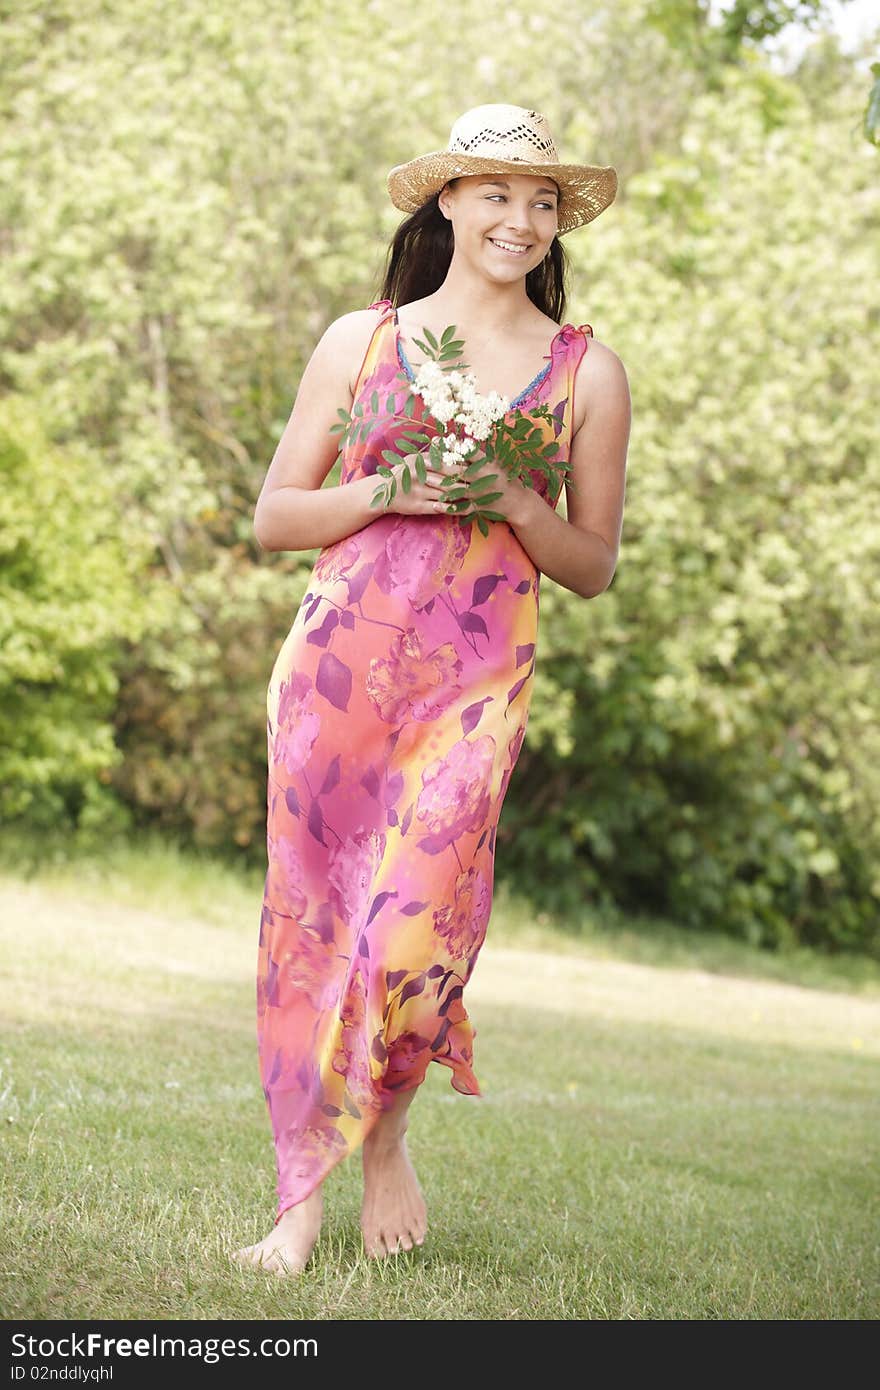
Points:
point(398, 702)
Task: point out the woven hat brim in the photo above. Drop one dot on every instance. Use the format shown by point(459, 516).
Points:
point(585, 190)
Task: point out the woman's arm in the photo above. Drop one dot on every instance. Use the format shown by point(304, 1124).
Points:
point(292, 511)
point(581, 553)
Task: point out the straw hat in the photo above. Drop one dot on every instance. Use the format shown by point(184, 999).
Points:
point(500, 139)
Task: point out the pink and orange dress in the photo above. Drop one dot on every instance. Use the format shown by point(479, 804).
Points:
point(397, 708)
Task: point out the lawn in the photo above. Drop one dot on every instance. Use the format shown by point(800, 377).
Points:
point(664, 1134)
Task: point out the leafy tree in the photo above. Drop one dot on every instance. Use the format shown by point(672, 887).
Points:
point(190, 195)
point(713, 719)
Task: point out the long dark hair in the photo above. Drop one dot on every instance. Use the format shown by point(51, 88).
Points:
point(421, 251)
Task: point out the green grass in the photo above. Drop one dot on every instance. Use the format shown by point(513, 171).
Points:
point(675, 1139)
point(159, 876)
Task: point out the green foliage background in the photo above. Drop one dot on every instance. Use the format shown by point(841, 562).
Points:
point(189, 194)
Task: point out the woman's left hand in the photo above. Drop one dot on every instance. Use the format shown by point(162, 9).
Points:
point(515, 498)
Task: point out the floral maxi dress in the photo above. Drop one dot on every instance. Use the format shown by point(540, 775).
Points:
point(397, 707)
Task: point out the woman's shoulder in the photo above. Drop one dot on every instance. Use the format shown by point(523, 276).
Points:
point(348, 336)
point(352, 326)
point(600, 363)
point(600, 376)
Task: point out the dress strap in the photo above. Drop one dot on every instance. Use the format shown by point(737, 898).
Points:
point(576, 333)
point(578, 344)
point(381, 304)
point(577, 337)
point(570, 344)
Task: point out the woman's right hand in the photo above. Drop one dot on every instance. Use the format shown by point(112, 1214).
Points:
point(422, 498)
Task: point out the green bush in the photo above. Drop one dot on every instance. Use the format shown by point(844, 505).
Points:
point(70, 596)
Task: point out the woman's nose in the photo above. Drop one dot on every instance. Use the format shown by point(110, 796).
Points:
point(518, 221)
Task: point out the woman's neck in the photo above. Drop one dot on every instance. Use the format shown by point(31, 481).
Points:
point(468, 297)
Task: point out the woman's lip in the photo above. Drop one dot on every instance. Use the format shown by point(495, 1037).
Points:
point(523, 245)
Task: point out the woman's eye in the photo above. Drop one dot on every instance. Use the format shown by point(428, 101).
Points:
point(502, 195)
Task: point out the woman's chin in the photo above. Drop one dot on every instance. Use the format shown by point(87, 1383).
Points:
point(501, 272)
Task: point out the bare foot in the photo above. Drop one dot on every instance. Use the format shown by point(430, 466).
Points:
point(394, 1216)
point(286, 1249)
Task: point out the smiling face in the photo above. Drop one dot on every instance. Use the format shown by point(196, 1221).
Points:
point(504, 222)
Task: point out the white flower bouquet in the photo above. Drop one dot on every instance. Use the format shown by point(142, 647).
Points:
point(470, 426)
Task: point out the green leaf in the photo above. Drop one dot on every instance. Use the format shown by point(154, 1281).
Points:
point(374, 402)
point(430, 337)
point(406, 480)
